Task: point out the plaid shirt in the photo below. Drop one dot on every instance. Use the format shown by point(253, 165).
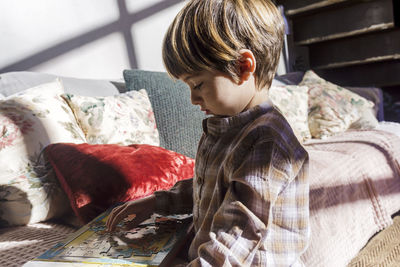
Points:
point(249, 196)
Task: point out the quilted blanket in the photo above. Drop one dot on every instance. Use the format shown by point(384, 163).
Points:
point(354, 190)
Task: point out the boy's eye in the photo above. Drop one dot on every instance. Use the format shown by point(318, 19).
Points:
point(197, 87)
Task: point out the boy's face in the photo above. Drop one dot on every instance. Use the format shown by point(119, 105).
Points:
point(217, 94)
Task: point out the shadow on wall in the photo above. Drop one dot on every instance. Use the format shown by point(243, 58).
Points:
point(123, 25)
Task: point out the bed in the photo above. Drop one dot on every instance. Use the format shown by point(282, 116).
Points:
point(354, 158)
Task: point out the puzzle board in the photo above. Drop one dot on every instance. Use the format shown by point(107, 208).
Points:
point(149, 244)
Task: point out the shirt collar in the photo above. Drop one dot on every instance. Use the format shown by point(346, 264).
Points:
point(220, 125)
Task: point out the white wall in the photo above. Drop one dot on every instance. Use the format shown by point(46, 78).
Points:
point(42, 35)
point(149, 34)
point(84, 38)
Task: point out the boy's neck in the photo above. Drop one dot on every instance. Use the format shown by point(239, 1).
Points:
point(259, 97)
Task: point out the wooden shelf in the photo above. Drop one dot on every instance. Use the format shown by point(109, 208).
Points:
point(370, 29)
point(343, 21)
point(313, 7)
point(359, 62)
point(348, 42)
point(356, 50)
point(375, 74)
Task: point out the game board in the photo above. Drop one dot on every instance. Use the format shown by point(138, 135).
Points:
point(153, 243)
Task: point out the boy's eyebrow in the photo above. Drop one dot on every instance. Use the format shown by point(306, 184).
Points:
point(188, 77)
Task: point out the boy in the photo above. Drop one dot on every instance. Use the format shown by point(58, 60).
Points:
point(249, 196)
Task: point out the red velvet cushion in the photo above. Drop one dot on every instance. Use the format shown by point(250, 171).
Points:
point(97, 176)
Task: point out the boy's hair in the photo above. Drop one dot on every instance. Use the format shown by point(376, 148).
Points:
point(208, 35)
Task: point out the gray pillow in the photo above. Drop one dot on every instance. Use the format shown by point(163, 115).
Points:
point(13, 82)
point(178, 121)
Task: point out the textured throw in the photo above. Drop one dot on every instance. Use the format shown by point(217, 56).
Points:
point(383, 250)
point(354, 190)
point(23, 243)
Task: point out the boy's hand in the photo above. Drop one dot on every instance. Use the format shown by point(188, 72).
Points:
point(142, 208)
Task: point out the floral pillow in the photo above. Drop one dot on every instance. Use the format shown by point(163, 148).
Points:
point(120, 119)
point(332, 108)
point(29, 121)
point(292, 101)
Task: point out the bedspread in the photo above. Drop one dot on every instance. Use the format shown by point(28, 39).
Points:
point(354, 190)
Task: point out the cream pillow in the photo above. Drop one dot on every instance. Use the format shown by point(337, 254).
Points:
point(332, 108)
point(120, 119)
point(292, 101)
point(29, 121)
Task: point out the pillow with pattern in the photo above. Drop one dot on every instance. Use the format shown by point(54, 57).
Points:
point(332, 109)
point(292, 101)
point(29, 121)
point(121, 119)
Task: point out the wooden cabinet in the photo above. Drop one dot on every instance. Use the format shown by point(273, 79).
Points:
point(349, 42)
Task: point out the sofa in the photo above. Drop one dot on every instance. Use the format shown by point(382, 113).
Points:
point(89, 144)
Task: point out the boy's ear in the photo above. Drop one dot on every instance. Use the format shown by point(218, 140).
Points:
point(247, 65)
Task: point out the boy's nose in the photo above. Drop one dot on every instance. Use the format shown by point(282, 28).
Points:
point(196, 100)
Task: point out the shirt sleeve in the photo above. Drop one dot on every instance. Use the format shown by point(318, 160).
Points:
point(177, 200)
point(264, 216)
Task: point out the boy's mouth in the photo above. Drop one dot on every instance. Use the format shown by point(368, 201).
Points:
point(205, 111)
